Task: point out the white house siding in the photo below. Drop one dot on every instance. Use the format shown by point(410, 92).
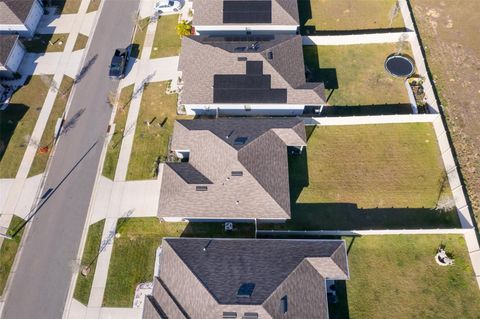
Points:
point(15, 57)
point(242, 29)
point(31, 23)
point(33, 18)
point(245, 110)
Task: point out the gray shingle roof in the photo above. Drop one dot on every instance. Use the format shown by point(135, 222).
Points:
point(211, 271)
point(7, 42)
point(215, 152)
point(210, 12)
point(15, 11)
point(204, 57)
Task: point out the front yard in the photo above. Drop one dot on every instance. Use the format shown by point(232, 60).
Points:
point(8, 251)
point(158, 112)
point(46, 143)
point(166, 42)
point(355, 74)
point(41, 43)
point(17, 122)
point(133, 256)
point(370, 177)
point(342, 15)
point(397, 277)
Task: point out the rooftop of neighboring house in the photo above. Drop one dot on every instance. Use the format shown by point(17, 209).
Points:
point(237, 168)
point(239, 278)
point(244, 12)
point(7, 42)
point(15, 11)
point(255, 69)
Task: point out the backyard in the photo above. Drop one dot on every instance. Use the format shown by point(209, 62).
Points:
point(41, 43)
point(158, 112)
point(133, 255)
point(89, 258)
point(8, 251)
point(342, 15)
point(17, 122)
point(113, 150)
point(46, 143)
point(397, 277)
point(355, 74)
point(370, 176)
point(166, 42)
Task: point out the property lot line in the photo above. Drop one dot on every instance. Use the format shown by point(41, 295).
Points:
point(352, 39)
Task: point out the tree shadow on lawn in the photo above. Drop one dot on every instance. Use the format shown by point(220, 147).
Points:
point(9, 120)
point(315, 73)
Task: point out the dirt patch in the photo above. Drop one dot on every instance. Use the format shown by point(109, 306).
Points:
point(450, 36)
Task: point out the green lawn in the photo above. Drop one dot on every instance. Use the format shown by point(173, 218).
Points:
point(369, 176)
point(93, 5)
point(89, 258)
point(113, 151)
point(166, 42)
point(80, 42)
point(133, 255)
point(17, 122)
point(340, 15)
point(139, 38)
point(150, 145)
point(40, 161)
point(356, 73)
point(8, 251)
point(41, 43)
point(397, 277)
point(66, 6)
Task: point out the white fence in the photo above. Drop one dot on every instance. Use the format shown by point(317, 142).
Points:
point(368, 232)
point(349, 39)
point(372, 119)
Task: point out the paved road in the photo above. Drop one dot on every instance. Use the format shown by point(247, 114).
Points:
point(40, 285)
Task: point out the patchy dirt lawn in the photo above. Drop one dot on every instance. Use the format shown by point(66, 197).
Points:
point(449, 33)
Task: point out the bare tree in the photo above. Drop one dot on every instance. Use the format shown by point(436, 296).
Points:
point(137, 21)
point(394, 11)
point(49, 82)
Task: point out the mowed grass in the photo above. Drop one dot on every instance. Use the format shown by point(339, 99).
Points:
point(356, 73)
point(397, 277)
point(8, 251)
point(166, 42)
point(89, 258)
point(340, 15)
point(113, 150)
point(387, 165)
point(80, 42)
point(93, 5)
point(41, 43)
point(133, 256)
point(40, 161)
point(17, 122)
point(139, 38)
point(66, 6)
point(150, 144)
point(387, 176)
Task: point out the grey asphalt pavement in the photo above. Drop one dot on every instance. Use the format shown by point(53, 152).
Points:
point(40, 285)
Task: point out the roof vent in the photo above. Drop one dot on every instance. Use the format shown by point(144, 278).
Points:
point(270, 55)
point(242, 58)
point(284, 301)
point(230, 134)
point(246, 289)
point(237, 173)
point(250, 315)
point(201, 188)
point(241, 140)
point(229, 315)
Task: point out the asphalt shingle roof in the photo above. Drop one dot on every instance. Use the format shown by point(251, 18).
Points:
point(15, 11)
point(7, 42)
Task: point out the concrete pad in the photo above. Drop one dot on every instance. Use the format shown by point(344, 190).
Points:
point(28, 196)
point(141, 197)
point(5, 186)
point(40, 63)
point(168, 68)
point(77, 310)
point(93, 313)
point(121, 313)
point(73, 66)
point(102, 198)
